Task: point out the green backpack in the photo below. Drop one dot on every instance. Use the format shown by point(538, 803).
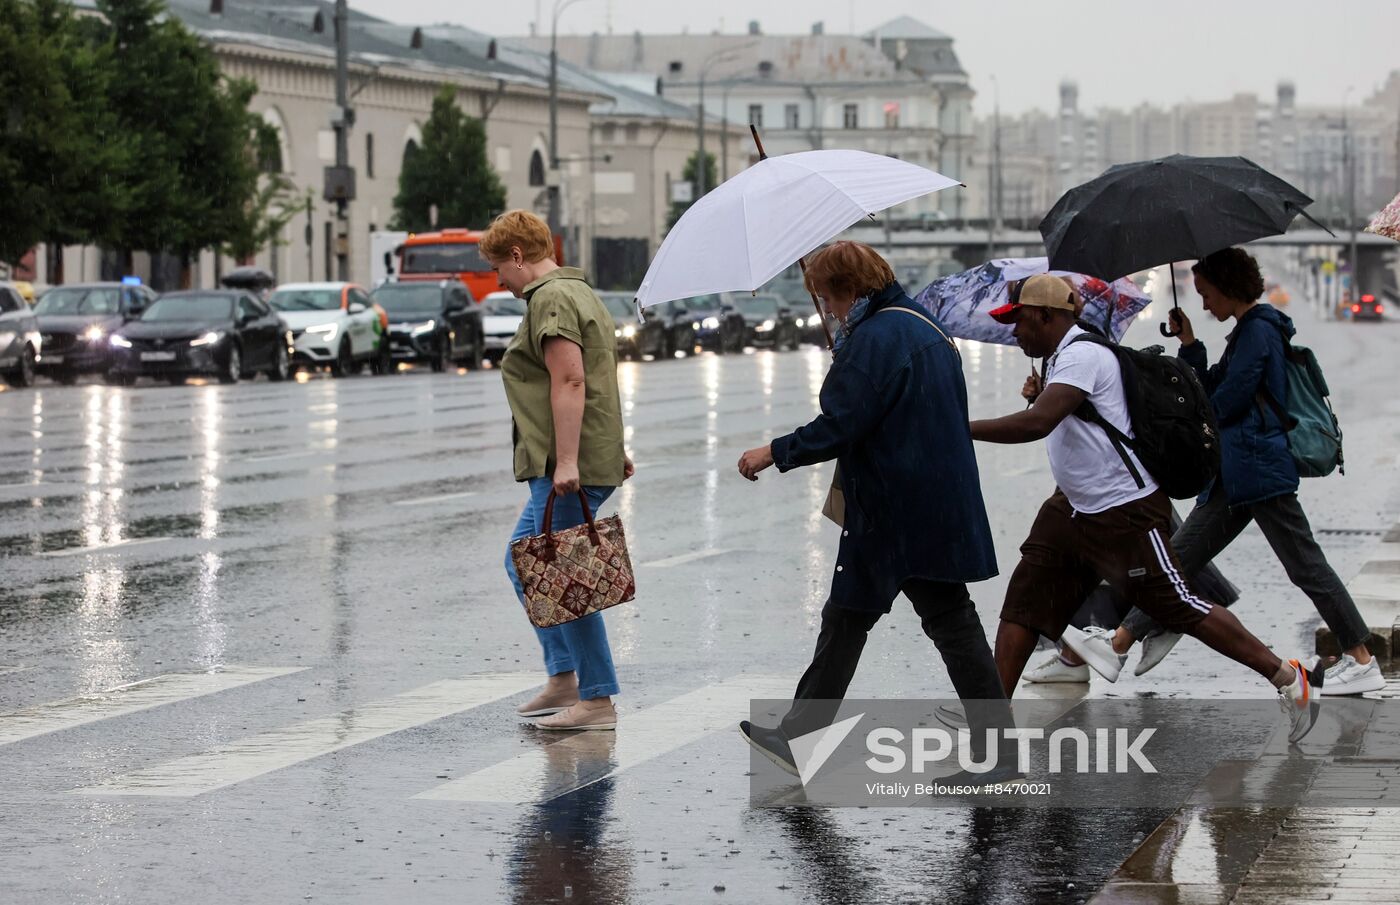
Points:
point(1314, 434)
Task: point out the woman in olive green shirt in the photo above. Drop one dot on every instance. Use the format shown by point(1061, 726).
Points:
point(560, 374)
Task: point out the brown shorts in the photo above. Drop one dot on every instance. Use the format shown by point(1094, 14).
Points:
point(1067, 554)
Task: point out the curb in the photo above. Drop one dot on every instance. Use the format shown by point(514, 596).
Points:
point(1376, 590)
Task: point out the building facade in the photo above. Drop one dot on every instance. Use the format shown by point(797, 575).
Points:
point(898, 90)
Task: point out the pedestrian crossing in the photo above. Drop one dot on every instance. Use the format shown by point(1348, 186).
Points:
point(128, 699)
point(647, 734)
point(259, 754)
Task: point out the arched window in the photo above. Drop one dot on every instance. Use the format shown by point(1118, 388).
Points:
point(536, 168)
point(272, 150)
point(410, 148)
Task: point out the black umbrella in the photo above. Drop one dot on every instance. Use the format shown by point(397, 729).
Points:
point(249, 277)
point(1141, 215)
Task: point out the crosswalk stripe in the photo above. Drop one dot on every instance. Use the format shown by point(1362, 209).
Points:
point(124, 699)
point(279, 748)
point(438, 498)
point(686, 557)
point(94, 548)
point(641, 736)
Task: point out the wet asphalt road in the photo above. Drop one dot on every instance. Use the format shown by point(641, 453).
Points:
point(334, 549)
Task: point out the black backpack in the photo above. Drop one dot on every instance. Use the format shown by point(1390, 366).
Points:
point(1175, 436)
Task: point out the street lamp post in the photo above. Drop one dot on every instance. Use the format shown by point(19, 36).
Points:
point(718, 56)
point(552, 181)
point(1349, 164)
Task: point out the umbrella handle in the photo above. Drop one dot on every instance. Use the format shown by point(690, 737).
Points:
point(826, 329)
point(1168, 331)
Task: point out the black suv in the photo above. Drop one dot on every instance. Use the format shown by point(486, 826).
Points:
point(769, 321)
point(719, 327)
point(75, 321)
point(433, 321)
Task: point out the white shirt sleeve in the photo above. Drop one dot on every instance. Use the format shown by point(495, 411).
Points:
point(1077, 366)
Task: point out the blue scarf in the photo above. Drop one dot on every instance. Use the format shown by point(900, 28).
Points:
point(858, 313)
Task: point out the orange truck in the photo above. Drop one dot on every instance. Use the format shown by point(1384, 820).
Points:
point(451, 254)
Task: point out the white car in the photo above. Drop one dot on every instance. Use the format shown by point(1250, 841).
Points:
point(501, 314)
point(334, 325)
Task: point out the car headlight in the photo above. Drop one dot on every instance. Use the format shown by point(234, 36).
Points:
point(710, 323)
point(695, 326)
point(814, 321)
point(208, 339)
point(629, 331)
point(425, 327)
point(121, 342)
point(324, 332)
point(94, 334)
point(766, 326)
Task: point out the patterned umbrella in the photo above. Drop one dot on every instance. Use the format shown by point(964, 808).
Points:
point(961, 301)
point(1387, 222)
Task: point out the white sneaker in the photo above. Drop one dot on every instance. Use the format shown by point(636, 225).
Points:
point(1057, 670)
point(1094, 646)
point(1347, 676)
point(1155, 648)
point(1299, 700)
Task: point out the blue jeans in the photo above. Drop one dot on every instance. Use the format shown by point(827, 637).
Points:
point(580, 645)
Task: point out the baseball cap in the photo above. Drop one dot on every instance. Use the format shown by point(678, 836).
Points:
point(1039, 291)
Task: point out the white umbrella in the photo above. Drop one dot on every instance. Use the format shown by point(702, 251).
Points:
point(753, 227)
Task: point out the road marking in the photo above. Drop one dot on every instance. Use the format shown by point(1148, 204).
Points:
point(686, 557)
point(657, 730)
point(125, 699)
point(279, 748)
point(26, 484)
point(280, 456)
point(437, 498)
point(75, 551)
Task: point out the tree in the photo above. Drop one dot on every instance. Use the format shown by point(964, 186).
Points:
point(450, 170)
point(688, 175)
point(192, 174)
point(272, 206)
point(61, 153)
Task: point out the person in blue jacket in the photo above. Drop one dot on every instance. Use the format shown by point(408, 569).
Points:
point(895, 418)
point(1258, 481)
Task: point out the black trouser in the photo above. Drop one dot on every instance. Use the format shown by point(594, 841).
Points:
point(949, 619)
point(1214, 524)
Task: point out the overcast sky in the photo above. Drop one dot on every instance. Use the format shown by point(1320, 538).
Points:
point(1121, 52)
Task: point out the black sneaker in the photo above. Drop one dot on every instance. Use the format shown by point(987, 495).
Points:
point(771, 743)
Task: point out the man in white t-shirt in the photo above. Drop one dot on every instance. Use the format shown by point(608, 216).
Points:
point(1107, 519)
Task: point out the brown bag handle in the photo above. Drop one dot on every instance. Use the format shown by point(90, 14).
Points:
point(587, 515)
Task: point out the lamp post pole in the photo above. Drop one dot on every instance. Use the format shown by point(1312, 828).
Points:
point(552, 180)
point(700, 167)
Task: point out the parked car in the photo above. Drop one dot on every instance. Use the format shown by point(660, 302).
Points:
point(75, 321)
point(1368, 309)
point(769, 321)
point(436, 322)
point(227, 333)
point(19, 337)
point(634, 339)
point(719, 327)
point(501, 314)
point(334, 325)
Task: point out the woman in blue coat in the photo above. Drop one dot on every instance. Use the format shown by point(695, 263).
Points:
point(894, 417)
point(1258, 481)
